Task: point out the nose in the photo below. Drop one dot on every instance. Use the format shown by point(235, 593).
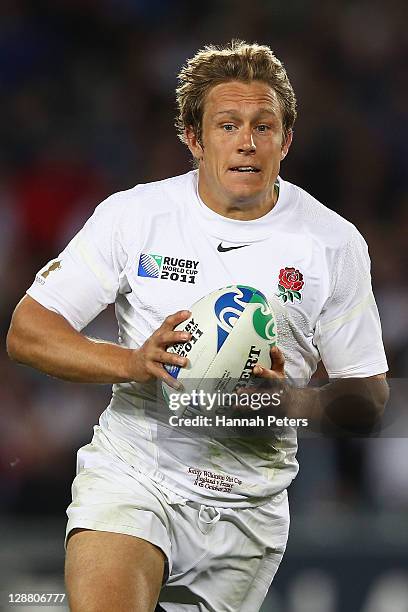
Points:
point(247, 143)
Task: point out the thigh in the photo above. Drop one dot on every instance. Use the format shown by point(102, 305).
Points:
point(226, 565)
point(112, 571)
point(118, 546)
point(109, 496)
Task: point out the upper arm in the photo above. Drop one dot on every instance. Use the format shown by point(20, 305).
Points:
point(348, 331)
point(32, 323)
point(31, 314)
point(85, 277)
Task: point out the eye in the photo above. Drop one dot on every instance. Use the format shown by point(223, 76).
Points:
point(262, 128)
point(228, 127)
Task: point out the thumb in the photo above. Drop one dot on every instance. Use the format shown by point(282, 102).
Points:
point(277, 368)
point(278, 360)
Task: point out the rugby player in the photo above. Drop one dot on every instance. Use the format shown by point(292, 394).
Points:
point(199, 524)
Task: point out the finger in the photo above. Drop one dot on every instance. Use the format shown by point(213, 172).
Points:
point(171, 359)
point(278, 360)
point(261, 372)
point(277, 369)
point(168, 338)
point(160, 373)
point(175, 319)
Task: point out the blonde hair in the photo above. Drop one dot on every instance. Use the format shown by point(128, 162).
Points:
point(238, 61)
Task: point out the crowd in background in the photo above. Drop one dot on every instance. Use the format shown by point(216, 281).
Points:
point(87, 99)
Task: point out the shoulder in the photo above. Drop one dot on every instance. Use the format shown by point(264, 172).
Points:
point(151, 198)
point(319, 221)
point(126, 217)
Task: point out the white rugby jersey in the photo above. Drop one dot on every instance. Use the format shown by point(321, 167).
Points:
point(156, 249)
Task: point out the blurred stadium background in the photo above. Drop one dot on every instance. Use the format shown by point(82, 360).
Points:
point(87, 99)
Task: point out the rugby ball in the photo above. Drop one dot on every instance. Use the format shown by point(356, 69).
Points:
point(232, 329)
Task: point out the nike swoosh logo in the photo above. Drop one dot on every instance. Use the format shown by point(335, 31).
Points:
point(222, 249)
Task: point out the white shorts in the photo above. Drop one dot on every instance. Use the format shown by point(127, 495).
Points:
point(218, 559)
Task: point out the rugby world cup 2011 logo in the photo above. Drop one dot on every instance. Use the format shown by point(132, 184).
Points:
point(149, 265)
point(229, 307)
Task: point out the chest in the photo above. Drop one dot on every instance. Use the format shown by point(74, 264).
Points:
point(173, 268)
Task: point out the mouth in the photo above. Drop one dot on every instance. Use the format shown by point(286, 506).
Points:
point(245, 169)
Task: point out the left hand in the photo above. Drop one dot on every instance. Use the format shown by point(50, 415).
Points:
point(271, 381)
point(277, 370)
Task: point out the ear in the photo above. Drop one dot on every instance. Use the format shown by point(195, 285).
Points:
point(193, 143)
point(286, 144)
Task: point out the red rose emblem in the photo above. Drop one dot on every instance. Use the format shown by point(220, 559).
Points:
point(290, 283)
point(292, 279)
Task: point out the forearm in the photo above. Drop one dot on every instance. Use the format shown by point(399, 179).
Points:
point(352, 405)
point(47, 342)
point(346, 405)
point(81, 360)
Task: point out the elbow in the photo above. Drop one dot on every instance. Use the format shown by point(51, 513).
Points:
point(20, 334)
point(19, 337)
point(381, 397)
point(14, 345)
point(357, 406)
point(30, 330)
point(373, 405)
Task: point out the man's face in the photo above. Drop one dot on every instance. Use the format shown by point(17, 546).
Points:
point(241, 148)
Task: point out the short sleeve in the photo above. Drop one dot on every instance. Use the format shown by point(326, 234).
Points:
point(85, 277)
point(348, 331)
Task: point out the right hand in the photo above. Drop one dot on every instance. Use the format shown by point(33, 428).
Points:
point(148, 361)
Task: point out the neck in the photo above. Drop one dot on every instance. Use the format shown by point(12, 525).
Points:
point(240, 210)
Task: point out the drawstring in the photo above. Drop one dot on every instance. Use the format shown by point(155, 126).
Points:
point(208, 516)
